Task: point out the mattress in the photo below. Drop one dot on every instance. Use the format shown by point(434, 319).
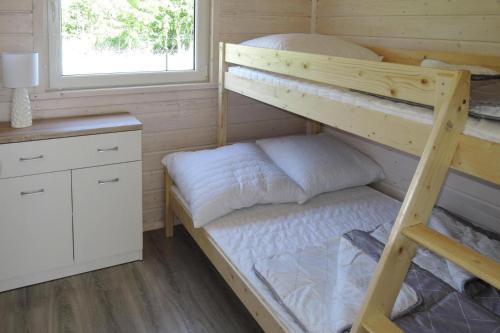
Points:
point(316, 284)
point(481, 128)
point(249, 235)
point(324, 287)
point(443, 309)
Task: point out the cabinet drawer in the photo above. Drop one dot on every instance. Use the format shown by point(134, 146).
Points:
point(107, 211)
point(28, 158)
point(35, 224)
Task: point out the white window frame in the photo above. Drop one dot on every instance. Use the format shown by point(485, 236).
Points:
point(200, 74)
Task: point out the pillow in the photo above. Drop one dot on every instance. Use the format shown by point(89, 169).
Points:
point(217, 181)
point(473, 69)
point(314, 43)
point(320, 163)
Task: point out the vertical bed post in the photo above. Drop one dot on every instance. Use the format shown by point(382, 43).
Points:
point(169, 214)
point(313, 127)
point(451, 106)
point(223, 98)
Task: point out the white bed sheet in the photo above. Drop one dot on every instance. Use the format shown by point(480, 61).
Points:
point(249, 235)
point(480, 128)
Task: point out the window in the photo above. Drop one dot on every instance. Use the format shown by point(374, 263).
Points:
point(108, 43)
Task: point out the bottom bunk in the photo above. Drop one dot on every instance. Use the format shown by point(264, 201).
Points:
point(237, 242)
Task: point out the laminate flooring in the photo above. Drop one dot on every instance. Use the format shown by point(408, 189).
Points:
point(174, 289)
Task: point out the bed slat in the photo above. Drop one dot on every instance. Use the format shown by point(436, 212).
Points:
point(481, 266)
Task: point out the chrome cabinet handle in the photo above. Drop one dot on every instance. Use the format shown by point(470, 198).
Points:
point(107, 181)
point(105, 150)
point(40, 191)
point(25, 159)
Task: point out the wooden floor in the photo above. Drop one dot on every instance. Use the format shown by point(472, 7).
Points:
point(175, 289)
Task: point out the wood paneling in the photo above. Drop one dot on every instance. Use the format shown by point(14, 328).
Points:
point(469, 28)
point(408, 7)
point(278, 8)
point(174, 119)
point(263, 24)
point(16, 5)
point(16, 23)
point(446, 25)
point(16, 43)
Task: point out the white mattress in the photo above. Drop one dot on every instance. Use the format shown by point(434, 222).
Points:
point(324, 287)
point(249, 235)
point(481, 128)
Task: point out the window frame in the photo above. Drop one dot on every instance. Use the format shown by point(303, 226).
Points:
point(200, 74)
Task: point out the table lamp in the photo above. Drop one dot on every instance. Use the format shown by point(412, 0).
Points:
point(20, 71)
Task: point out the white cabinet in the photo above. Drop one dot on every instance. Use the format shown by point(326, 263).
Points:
point(32, 237)
point(106, 208)
point(69, 205)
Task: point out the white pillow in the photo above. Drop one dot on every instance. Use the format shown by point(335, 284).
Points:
point(473, 69)
point(217, 181)
point(321, 163)
point(314, 43)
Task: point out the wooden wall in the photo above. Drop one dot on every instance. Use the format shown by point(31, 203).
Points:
point(447, 25)
point(174, 118)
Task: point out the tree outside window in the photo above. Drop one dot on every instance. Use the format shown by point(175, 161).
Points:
point(110, 36)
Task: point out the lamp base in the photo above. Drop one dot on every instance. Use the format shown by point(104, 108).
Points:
point(21, 109)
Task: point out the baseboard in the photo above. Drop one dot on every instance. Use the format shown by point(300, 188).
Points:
point(58, 273)
point(153, 226)
point(157, 225)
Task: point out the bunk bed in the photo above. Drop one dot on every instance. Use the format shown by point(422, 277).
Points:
point(440, 145)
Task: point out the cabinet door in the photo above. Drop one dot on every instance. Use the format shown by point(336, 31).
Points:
point(107, 211)
point(35, 224)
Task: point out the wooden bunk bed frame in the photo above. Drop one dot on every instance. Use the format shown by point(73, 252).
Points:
point(440, 146)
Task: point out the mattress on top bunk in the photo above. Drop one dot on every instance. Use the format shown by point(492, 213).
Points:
point(481, 128)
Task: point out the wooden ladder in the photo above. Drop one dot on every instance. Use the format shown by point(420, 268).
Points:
point(410, 228)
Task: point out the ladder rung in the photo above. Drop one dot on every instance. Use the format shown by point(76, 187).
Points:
point(380, 323)
point(472, 261)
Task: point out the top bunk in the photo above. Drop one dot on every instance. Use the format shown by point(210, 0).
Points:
point(399, 79)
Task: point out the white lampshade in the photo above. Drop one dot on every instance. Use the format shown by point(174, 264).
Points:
point(20, 70)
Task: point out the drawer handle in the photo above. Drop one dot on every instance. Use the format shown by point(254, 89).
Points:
point(107, 181)
point(105, 150)
point(40, 191)
point(25, 159)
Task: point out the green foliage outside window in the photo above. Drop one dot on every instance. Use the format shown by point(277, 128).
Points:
point(160, 26)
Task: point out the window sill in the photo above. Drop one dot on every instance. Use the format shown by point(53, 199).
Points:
point(60, 94)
